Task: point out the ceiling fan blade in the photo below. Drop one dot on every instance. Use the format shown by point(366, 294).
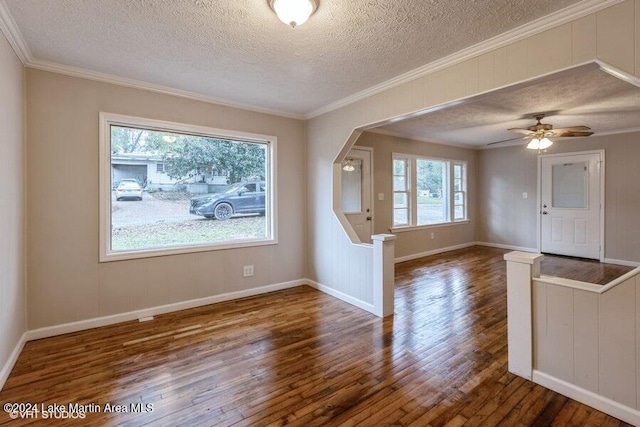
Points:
point(569, 134)
point(506, 140)
point(573, 129)
point(520, 130)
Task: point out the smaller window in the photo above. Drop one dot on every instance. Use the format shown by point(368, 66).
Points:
point(160, 167)
point(401, 192)
point(459, 192)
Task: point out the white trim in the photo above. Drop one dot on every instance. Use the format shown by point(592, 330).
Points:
point(587, 397)
point(618, 73)
point(434, 252)
point(11, 31)
point(568, 283)
point(563, 16)
point(341, 296)
point(152, 87)
point(508, 247)
point(97, 322)
point(108, 119)
point(13, 358)
point(462, 246)
point(622, 262)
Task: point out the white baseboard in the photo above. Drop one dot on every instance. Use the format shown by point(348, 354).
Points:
point(433, 252)
point(587, 397)
point(622, 262)
point(13, 358)
point(341, 296)
point(153, 311)
point(509, 247)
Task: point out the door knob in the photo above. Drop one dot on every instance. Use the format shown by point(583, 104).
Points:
point(368, 218)
point(544, 212)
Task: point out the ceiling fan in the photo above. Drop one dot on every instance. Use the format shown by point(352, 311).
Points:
point(540, 133)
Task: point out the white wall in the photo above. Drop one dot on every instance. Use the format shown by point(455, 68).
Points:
point(506, 173)
point(66, 281)
point(12, 196)
point(609, 35)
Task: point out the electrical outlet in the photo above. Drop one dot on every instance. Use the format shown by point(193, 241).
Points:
point(433, 236)
point(248, 271)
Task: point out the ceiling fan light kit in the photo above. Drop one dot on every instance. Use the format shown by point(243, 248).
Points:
point(539, 144)
point(540, 133)
point(293, 12)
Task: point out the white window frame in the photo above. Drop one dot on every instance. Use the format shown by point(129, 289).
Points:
point(412, 177)
point(407, 191)
point(109, 119)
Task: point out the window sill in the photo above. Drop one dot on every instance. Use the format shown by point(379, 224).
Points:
point(179, 250)
point(426, 227)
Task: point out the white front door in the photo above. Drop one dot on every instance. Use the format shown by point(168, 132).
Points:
point(570, 204)
point(356, 193)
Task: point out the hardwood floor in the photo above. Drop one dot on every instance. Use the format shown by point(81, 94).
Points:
point(581, 269)
point(300, 357)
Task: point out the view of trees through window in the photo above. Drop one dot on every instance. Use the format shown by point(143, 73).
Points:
point(428, 191)
point(179, 189)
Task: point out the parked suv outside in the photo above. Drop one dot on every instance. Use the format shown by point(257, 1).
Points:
point(239, 198)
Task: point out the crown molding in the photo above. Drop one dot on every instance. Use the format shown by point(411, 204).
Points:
point(618, 73)
point(10, 30)
point(395, 134)
point(138, 84)
point(540, 25)
point(563, 16)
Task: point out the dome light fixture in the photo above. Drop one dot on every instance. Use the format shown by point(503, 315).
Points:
point(293, 12)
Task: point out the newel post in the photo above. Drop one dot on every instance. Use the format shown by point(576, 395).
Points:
point(383, 274)
point(521, 268)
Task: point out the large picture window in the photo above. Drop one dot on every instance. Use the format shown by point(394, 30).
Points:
point(168, 188)
point(428, 191)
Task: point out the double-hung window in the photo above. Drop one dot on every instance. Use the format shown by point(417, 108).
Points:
point(428, 191)
point(170, 188)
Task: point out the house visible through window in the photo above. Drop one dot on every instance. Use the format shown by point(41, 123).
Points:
point(170, 188)
point(428, 191)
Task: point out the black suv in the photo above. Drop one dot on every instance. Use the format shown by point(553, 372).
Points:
point(239, 198)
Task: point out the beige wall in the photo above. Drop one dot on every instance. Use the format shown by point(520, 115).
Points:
point(416, 242)
point(12, 231)
point(608, 35)
point(66, 281)
point(508, 172)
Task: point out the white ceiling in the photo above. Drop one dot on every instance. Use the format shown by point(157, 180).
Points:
point(582, 96)
point(237, 50)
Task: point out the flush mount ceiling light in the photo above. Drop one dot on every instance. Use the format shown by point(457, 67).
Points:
point(293, 12)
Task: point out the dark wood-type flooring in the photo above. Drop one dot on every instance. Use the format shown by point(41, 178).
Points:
point(300, 357)
point(581, 269)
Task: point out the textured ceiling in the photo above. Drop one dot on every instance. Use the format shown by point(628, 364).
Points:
point(583, 96)
point(239, 51)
